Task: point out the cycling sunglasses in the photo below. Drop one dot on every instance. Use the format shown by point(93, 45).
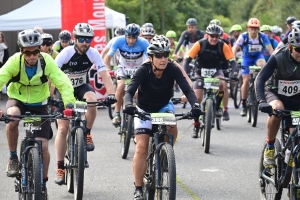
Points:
point(29, 53)
point(160, 55)
point(47, 43)
point(87, 40)
point(297, 49)
point(214, 36)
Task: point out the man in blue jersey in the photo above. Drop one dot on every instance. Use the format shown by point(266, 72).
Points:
point(252, 44)
point(133, 51)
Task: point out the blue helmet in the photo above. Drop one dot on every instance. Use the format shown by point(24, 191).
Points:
point(132, 30)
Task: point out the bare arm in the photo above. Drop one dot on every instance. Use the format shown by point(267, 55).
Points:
point(104, 52)
point(107, 82)
point(235, 49)
point(270, 49)
point(106, 60)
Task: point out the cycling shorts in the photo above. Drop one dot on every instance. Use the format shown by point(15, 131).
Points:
point(199, 84)
point(145, 127)
point(46, 131)
point(250, 61)
point(289, 103)
point(79, 93)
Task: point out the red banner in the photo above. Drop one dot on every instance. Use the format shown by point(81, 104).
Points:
point(87, 11)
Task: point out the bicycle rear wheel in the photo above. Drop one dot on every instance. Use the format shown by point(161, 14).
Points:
point(149, 177)
point(126, 135)
point(237, 94)
point(254, 109)
point(167, 173)
point(69, 171)
point(78, 173)
point(208, 124)
point(34, 175)
point(267, 190)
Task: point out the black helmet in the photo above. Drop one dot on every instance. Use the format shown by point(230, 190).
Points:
point(119, 31)
point(191, 22)
point(65, 35)
point(132, 30)
point(294, 37)
point(214, 29)
point(158, 44)
point(290, 20)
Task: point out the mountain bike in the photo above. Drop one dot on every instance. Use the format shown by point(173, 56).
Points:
point(159, 181)
point(29, 181)
point(252, 105)
point(76, 154)
point(285, 173)
point(232, 84)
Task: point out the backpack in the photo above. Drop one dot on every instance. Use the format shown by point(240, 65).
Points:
point(220, 46)
point(43, 78)
point(246, 39)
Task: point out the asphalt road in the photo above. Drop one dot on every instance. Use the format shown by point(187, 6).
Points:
point(228, 172)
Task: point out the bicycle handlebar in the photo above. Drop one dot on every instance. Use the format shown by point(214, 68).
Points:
point(8, 118)
point(221, 78)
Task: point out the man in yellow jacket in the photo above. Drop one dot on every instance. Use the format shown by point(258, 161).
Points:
point(28, 72)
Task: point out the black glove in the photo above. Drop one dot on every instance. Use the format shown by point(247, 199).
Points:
point(129, 109)
point(265, 107)
point(196, 112)
point(111, 99)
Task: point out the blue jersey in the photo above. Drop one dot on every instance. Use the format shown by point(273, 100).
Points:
point(266, 53)
point(130, 56)
point(253, 47)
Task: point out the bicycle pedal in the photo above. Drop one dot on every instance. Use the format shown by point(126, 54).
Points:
point(86, 164)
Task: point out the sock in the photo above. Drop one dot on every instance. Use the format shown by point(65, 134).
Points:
point(13, 154)
point(117, 114)
point(244, 103)
point(45, 180)
point(88, 131)
point(138, 188)
point(270, 143)
point(219, 97)
point(60, 164)
point(225, 109)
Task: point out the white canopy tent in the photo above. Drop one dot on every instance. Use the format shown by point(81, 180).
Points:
point(47, 14)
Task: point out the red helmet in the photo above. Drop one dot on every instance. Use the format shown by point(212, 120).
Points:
point(253, 23)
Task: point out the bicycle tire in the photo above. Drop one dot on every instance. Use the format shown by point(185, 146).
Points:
point(249, 109)
point(149, 189)
point(231, 88)
point(267, 190)
point(218, 122)
point(69, 171)
point(127, 135)
point(34, 175)
point(21, 195)
point(237, 96)
point(202, 131)
point(78, 172)
point(293, 191)
point(168, 173)
point(208, 123)
point(111, 110)
point(254, 109)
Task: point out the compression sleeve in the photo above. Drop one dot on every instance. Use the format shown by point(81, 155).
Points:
point(265, 73)
point(180, 42)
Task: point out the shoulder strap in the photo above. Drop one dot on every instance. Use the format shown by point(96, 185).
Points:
point(220, 47)
point(203, 44)
point(261, 42)
point(17, 77)
point(44, 78)
point(246, 39)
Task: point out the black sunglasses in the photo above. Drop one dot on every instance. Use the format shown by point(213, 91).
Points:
point(160, 55)
point(297, 49)
point(48, 44)
point(214, 36)
point(29, 53)
point(87, 40)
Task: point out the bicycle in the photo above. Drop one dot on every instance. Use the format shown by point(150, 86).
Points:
point(211, 85)
point(252, 105)
point(285, 173)
point(29, 181)
point(111, 107)
point(159, 181)
point(76, 154)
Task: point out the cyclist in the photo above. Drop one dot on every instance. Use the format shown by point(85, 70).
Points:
point(266, 29)
point(252, 44)
point(171, 35)
point(276, 33)
point(146, 25)
point(147, 33)
point(224, 36)
point(64, 41)
point(132, 54)
point(280, 73)
point(187, 39)
point(76, 61)
point(47, 45)
point(289, 22)
point(285, 40)
point(234, 33)
point(28, 72)
point(210, 53)
point(154, 81)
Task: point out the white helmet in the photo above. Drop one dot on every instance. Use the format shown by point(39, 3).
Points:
point(29, 38)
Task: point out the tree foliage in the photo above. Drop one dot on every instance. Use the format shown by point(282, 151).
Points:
point(172, 14)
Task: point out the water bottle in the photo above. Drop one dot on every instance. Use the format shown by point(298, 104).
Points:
point(287, 156)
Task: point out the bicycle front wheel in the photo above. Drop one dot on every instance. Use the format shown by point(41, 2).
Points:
point(237, 95)
point(69, 171)
point(267, 190)
point(34, 175)
point(167, 172)
point(111, 110)
point(254, 109)
point(208, 123)
point(126, 136)
point(78, 173)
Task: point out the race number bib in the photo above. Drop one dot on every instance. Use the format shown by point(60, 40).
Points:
point(288, 88)
point(129, 72)
point(255, 48)
point(77, 79)
point(208, 72)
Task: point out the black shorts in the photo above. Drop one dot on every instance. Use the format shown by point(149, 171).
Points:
point(198, 83)
point(79, 93)
point(46, 131)
point(289, 103)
